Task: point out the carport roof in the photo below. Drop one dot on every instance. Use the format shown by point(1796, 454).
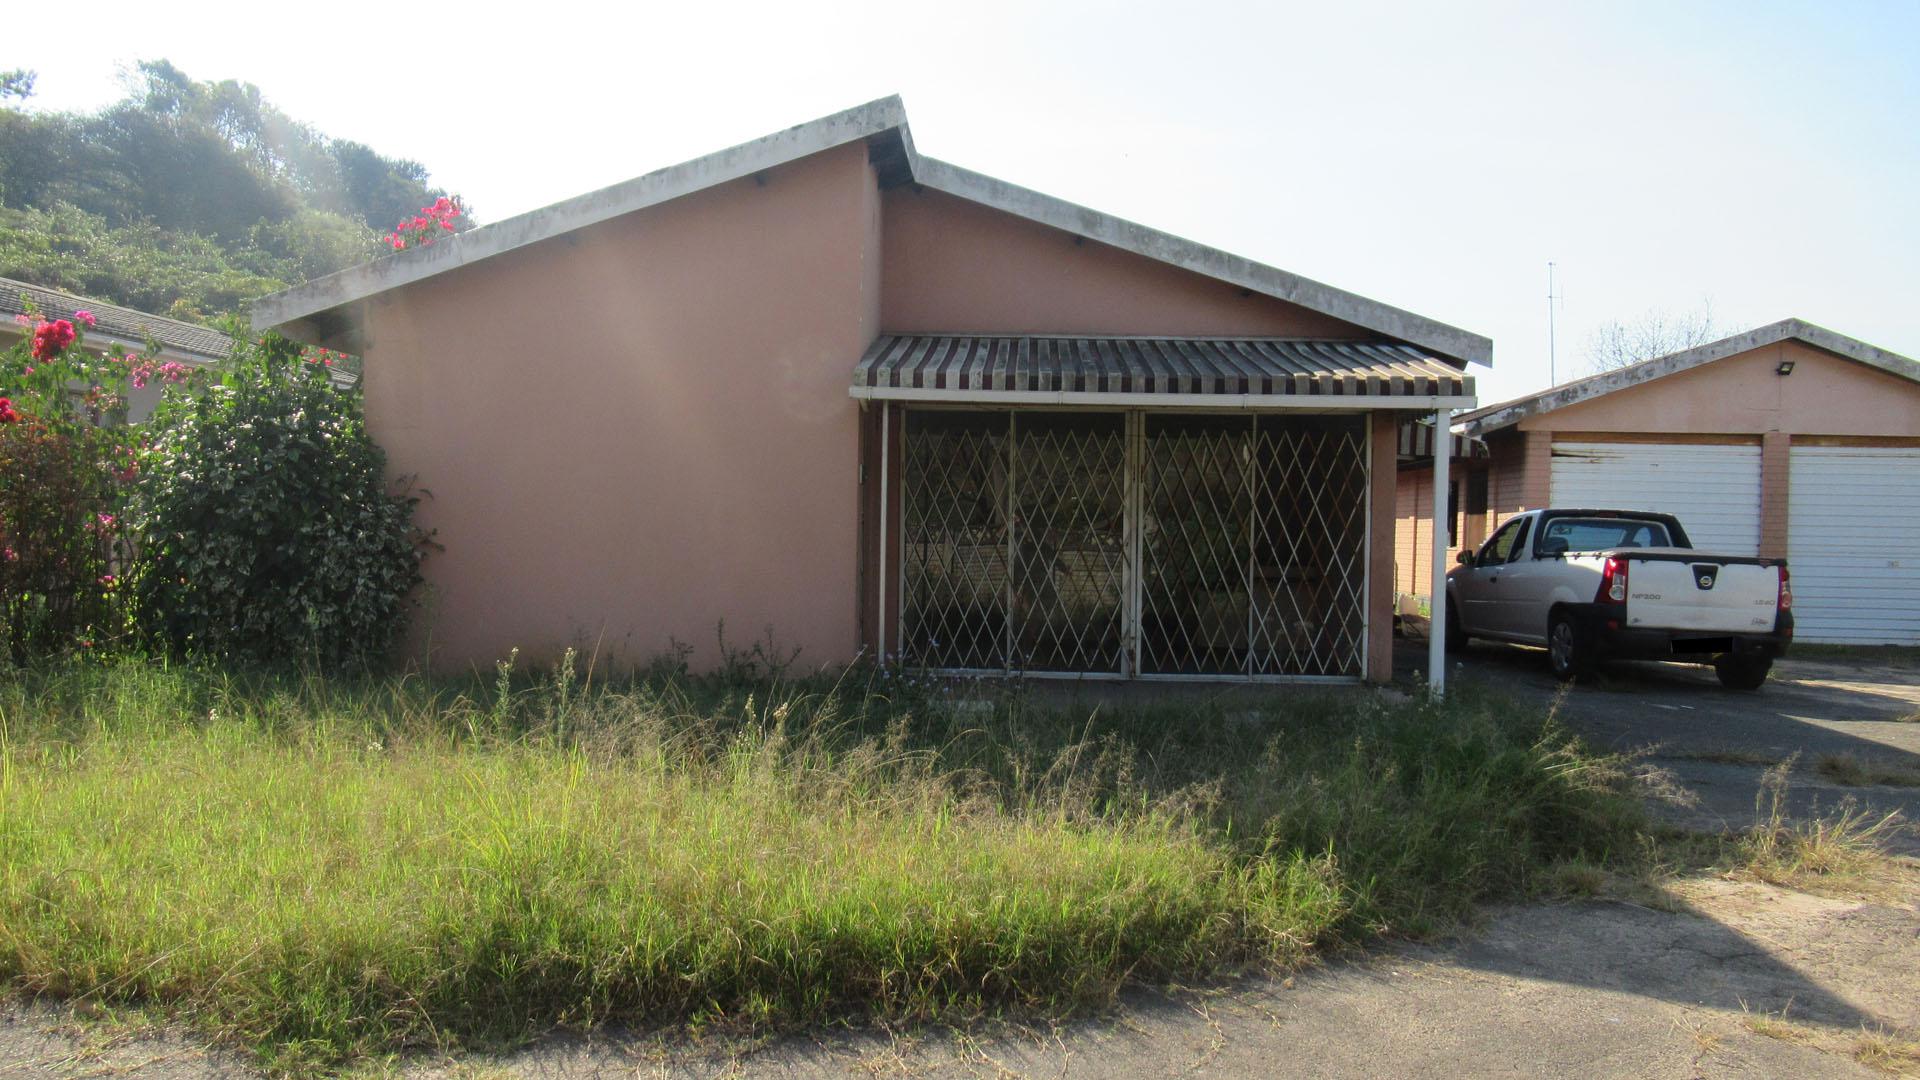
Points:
point(1149, 371)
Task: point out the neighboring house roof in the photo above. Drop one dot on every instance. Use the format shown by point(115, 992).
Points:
point(883, 125)
point(129, 327)
point(1151, 370)
point(122, 324)
point(1508, 413)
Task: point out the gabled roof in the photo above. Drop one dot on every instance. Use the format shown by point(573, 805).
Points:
point(124, 325)
point(1508, 413)
point(882, 125)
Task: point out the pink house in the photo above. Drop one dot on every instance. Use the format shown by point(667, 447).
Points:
point(822, 384)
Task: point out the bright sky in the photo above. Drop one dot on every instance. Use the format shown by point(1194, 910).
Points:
point(1762, 157)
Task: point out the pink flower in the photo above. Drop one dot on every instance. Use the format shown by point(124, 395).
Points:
point(23, 320)
point(85, 317)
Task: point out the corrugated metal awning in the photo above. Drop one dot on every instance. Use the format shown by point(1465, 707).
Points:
point(1416, 442)
point(1264, 372)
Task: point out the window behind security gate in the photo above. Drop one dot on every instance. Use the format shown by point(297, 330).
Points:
point(1134, 543)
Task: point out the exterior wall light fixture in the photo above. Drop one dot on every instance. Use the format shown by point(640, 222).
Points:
point(1785, 368)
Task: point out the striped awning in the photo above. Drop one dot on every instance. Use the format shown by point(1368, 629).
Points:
point(1416, 441)
point(1256, 371)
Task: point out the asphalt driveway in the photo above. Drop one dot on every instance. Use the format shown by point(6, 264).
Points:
point(1830, 711)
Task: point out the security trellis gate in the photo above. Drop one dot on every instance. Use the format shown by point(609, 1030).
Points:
point(1135, 543)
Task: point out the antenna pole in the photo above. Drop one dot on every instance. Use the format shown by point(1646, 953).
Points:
point(1553, 378)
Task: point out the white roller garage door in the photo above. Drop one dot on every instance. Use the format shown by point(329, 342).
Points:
point(1713, 490)
point(1853, 540)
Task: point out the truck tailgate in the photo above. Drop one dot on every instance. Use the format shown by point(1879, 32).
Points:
point(1678, 589)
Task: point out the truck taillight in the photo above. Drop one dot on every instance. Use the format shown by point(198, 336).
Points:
point(1786, 590)
point(1613, 583)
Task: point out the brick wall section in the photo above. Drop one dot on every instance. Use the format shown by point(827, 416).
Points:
point(1385, 450)
point(1776, 456)
point(1506, 495)
point(1536, 470)
point(1410, 491)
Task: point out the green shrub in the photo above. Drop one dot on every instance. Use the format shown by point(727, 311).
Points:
point(266, 528)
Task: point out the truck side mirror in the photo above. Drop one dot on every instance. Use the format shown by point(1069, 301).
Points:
point(1465, 558)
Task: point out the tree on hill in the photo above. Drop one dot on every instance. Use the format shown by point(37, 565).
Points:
point(188, 198)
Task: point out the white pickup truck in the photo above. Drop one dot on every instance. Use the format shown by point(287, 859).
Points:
point(1592, 585)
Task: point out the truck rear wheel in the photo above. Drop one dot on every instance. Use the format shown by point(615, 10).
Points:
point(1741, 672)
point(1567, 650)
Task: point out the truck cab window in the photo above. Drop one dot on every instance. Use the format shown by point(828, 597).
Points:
point(1500, 548)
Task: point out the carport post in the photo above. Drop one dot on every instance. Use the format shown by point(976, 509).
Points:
point(1442, 516)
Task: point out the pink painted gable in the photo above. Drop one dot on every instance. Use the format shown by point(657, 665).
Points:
point(950, 265)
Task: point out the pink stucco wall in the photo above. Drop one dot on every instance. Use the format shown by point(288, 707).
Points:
point(1825, 395)
point(958, 267)
point(641, 428)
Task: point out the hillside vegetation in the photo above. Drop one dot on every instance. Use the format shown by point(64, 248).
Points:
point(188, 198)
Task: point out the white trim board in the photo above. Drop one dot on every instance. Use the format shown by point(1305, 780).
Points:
point(1505, 414)
point(886, 116)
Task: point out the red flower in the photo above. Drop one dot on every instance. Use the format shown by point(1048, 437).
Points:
point(51, 337)
point(7, 415)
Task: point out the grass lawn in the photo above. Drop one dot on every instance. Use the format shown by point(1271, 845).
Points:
point(324, 870)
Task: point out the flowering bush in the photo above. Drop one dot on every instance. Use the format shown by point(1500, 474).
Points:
point(64, 468)
point(427, 226)
point(265, 527)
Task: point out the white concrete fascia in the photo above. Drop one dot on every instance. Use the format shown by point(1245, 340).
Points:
point(862, 122)
point(1508, 413)
point(734, 163)
point(1447, 341)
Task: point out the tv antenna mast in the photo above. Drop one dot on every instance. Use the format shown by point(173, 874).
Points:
point(1553, 378)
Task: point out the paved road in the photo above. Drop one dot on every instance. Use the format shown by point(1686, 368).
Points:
point(1720, 741)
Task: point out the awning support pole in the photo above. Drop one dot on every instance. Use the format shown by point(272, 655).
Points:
point(886, 444)
point(1442, 516)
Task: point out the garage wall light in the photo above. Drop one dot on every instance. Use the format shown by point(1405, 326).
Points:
point(1785, 368)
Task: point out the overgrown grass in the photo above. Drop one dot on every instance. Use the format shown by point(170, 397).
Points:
point(1843, 850)
point(322, 870)
point(1854, 770)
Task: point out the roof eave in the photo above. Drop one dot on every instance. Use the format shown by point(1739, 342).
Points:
point(1447, 341)
point(312, 310)
point(404, 268)
point(1506, 414)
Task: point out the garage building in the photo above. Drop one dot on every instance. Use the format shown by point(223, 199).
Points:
point(1789, 440)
